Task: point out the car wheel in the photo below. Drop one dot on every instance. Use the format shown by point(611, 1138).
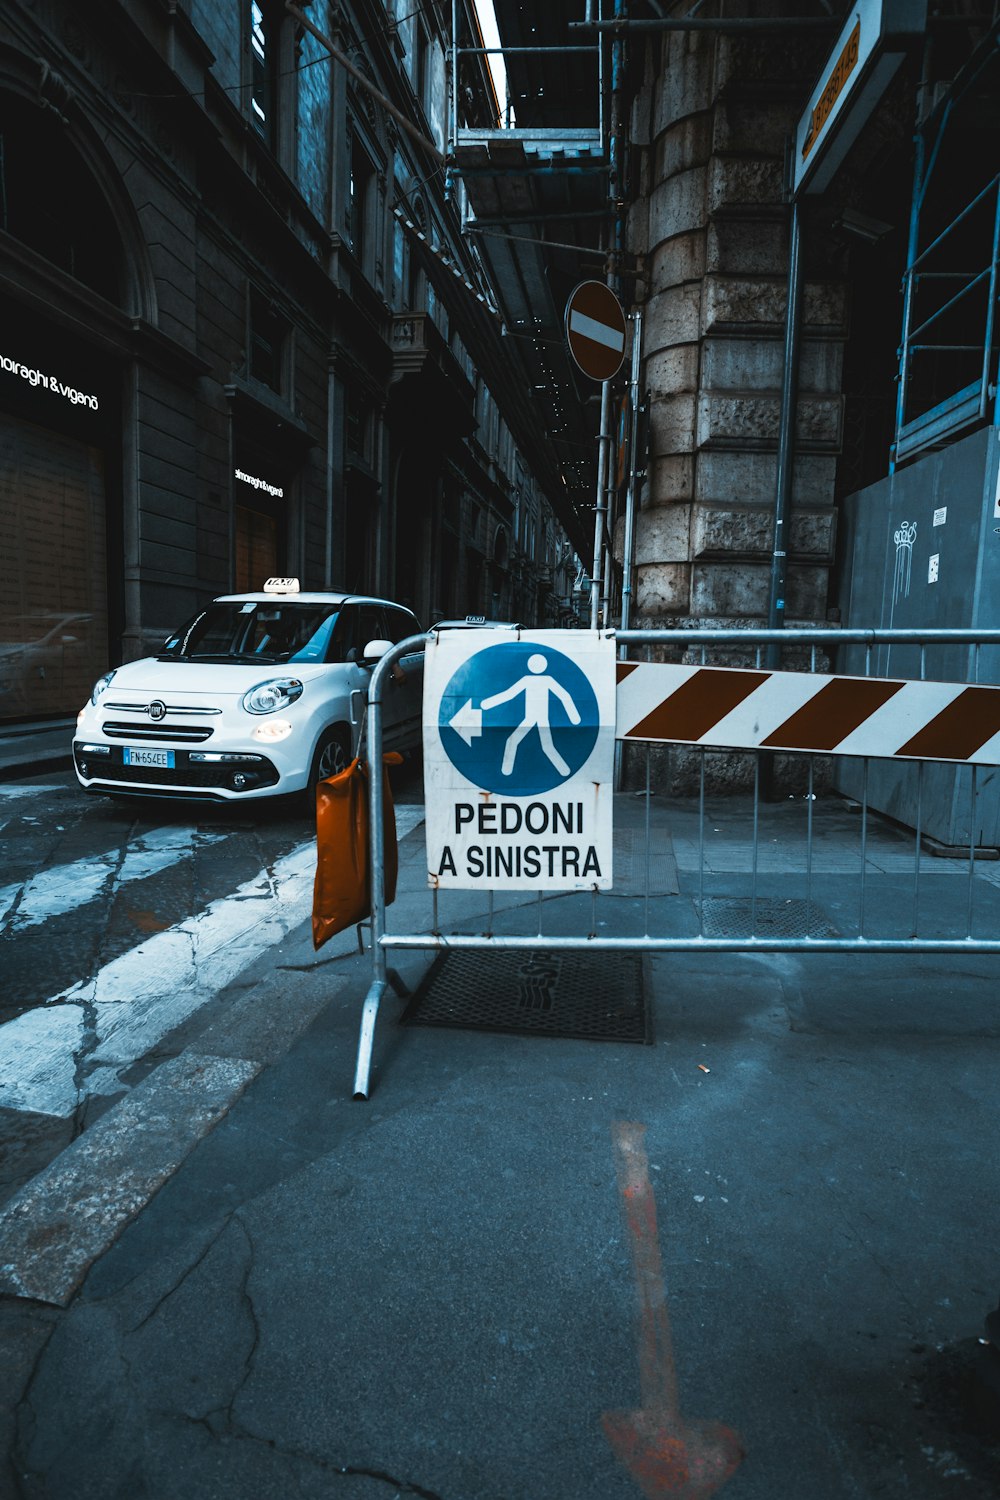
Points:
point(332, 756)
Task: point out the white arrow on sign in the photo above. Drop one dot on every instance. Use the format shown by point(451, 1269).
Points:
point(468, 722)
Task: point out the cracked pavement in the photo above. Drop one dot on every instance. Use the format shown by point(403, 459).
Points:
point(430, 1294)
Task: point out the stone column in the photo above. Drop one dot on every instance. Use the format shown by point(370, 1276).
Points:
point(710, 124)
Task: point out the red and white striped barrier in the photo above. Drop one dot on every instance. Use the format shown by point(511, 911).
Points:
point(738, 708)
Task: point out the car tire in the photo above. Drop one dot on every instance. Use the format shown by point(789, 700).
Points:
point(333, 754)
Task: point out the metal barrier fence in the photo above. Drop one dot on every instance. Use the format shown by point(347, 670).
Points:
point(735, 909)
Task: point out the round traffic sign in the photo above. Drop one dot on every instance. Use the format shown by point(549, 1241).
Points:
point(595, 330)
point(519, 719)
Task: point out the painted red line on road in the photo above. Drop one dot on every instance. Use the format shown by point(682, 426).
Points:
point(666, 1455)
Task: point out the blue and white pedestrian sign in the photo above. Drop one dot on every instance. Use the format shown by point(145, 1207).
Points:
point(519, 759)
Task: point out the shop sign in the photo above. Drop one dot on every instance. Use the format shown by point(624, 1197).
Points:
point(865, 56)
point(48, 382)
point(256, 483)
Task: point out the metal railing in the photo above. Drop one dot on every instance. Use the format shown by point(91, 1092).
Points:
point(502, 127)
point(928, 655)
point(943, 312)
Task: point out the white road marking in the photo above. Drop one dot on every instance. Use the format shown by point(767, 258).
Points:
point(63, 1219)
point(131, 1004)
point(37, 1060)
point(137, 999)
point(30, 791)
point(65, 887)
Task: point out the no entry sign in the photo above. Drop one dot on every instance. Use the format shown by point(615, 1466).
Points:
point(595, 330)
point(519, 759)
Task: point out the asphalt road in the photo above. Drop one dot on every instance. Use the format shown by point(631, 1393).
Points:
point(528, 1268)
point(88, 883)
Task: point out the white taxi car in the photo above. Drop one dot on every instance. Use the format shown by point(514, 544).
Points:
point(258, 695)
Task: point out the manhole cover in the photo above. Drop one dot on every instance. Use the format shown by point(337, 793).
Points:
point(592, 996)
point(740, 917)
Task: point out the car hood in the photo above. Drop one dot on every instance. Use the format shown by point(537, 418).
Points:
point(215, 679)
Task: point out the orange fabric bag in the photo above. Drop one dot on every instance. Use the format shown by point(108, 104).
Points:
point(342, 887)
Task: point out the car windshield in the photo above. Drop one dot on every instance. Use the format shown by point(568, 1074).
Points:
point(283, 631)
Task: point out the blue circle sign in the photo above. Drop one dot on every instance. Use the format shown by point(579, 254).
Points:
point(520, 718)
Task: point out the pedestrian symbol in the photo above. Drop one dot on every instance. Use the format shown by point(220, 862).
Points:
point(517, 720)
point(537, 690)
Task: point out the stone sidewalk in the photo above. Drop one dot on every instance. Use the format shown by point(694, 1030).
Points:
point(27, 749)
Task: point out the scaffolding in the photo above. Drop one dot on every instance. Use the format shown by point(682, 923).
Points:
point(531, 168)
point(947, 382)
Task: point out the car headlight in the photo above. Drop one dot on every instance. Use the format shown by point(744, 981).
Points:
point(100, 686)
point(273, 730)
point(278, 692)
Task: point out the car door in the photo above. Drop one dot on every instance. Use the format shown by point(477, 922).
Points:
point(404, 695)
point(357, 624)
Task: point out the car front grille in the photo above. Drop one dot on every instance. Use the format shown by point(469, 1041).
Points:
point(172, 708)
point(109, 770)
point(121, 729)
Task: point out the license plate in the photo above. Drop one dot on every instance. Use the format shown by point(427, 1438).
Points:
point(136, 757)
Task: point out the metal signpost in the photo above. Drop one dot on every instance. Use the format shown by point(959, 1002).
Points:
point(518, 760)
point(595, 334)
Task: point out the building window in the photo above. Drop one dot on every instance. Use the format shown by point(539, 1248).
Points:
point(422, 69)
point(263, 69)
point(360, 207)
point(357, 425)
point(268, 332)
point(400, 266)
point(69, 224)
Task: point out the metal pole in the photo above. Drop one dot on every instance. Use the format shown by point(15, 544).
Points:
point(610, 482)
point(735, 24)
point(599, 508)
point(786, 439)
point(988, 341)
point(376, 861)
point(615, 187)
point(602, 555)
point(629, 543)
point(628, 546)
point(453, 101)
point(376, 871)
point(328, 549)
point(600, 80)
point(911, 255)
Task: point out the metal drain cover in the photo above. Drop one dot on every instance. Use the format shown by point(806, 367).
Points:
point(740, 917)
point(592, 996)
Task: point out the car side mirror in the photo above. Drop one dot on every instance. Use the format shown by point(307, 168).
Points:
point(375, 650)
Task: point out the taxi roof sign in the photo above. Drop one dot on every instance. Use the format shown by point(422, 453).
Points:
point(281, 586)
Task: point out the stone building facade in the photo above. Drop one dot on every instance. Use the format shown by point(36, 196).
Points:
point(240, 333)
point(709, 124)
